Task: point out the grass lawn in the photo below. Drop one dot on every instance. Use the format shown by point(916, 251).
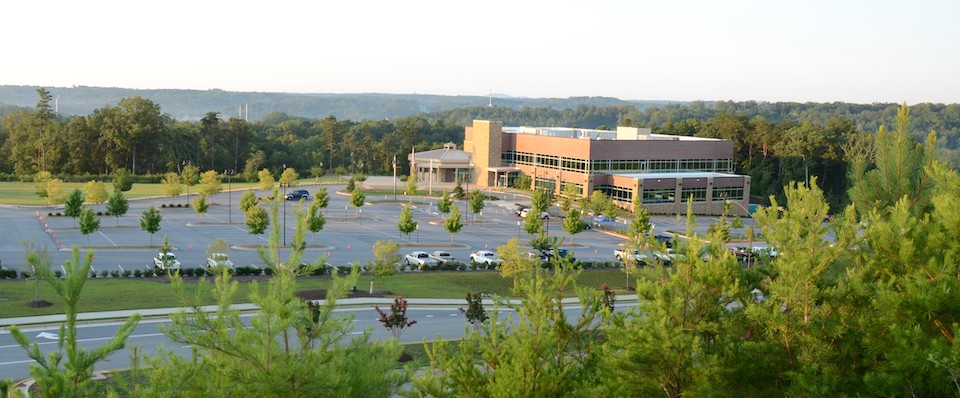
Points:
point(24, 193)
point(120, 294)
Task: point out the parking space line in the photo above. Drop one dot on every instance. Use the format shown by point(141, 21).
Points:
point(105, 237)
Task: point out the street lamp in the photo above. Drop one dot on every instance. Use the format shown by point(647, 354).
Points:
point(518, 229)
point(229, 197)
point(418, 234)
point(360, 216)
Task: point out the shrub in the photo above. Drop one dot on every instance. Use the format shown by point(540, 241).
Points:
point(8, 274)
point(93, 274)
point(127, 273)
point(267, 272)
point(50, 214)
point(149, 273)
point(137, 273)
point(163, 205)
point(115, 274)
point(24, 275)
point(186, 271)
point(104, 273)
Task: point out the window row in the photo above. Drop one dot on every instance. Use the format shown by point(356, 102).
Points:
point(607, 166)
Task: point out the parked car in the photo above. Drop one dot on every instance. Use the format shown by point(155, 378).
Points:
point(538, 256)
point(643, 257)
point(217, 260)
point(600, 219)
point(543, 215)
point(442, 256)
point(485, 257)
point(421, 260)
point(166, 261)
point(297, 195)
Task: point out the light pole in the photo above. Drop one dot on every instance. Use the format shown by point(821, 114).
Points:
point(418, 234)
point(518, 229)
point(360, 216)
point(229, 197)
point(284, 186)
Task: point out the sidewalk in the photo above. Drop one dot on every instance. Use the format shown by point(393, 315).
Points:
point(56, 319)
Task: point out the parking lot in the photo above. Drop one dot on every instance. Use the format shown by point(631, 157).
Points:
point(348, 236)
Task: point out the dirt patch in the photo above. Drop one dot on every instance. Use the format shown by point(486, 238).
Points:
point(38, 303)
point(405, 357)
point(321, 294)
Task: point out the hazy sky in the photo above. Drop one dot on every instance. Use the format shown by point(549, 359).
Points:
point(824, 51)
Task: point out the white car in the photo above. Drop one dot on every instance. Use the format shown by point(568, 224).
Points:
point(442, 256)
point(421, 260)
point(165, 261)
point(485, 257)
point(543, 215)
point(216, 260)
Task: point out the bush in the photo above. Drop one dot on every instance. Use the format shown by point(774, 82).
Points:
point(127, 273)
point(104, 273)
point(8, 274)
point(163, 205)
point(24, 275)
point(93, 274)
point(137, 273)
point(186, 271)
point(267, 272)
point(149, 273)
point(115, 274)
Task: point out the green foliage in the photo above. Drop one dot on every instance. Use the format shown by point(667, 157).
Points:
point(386, 256)
point(190, 175)
point(200, 205)
point(89, 223)
point(122, 182)
point(411, 184)
point(357, 199)
point(899, 163)
point(150, 221)
point(452, 223)
point(117, 205)
point(53, 376)
point(458, 191)
point(211, 183)
point(315, 219)
point(406, 224)
point(351, 185)
point(74, 204)
point(444, 203)
point(257, 220)
point(248, 199)
point(96, 192)
point(266, 179)
point(476, 203)
point(572, 223)
point(322, 198)
point(291, 348)
point(542, 353)
point(171, 185)
point(289, 177)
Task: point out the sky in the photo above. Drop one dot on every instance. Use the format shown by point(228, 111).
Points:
point(805, 51)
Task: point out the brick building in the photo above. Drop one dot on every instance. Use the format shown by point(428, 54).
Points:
point(663, 170)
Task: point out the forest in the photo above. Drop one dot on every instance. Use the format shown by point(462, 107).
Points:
point(775, 143)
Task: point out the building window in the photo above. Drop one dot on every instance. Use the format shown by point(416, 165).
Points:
point(508, 157)
point(617, 193)
point(548, 184)
point(727, 193)
point(578, 187)
point(663, 195)
point(698, 194)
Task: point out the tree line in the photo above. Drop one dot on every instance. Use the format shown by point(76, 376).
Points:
point(774, 143)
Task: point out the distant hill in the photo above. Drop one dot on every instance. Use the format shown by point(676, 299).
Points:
point(191, 105)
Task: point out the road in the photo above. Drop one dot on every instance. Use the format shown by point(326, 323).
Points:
point(445, 322)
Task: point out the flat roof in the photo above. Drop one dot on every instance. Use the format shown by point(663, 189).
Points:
point(595, 135)
point(677, 174)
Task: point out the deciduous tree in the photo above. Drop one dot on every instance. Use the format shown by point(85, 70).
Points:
point(406, 224)
point(150, 221)
point(117, 205)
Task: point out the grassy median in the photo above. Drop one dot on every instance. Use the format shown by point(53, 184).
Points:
point(128, 293)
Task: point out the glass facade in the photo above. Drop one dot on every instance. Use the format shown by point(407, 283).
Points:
point(727, 193)
point(616, 166)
